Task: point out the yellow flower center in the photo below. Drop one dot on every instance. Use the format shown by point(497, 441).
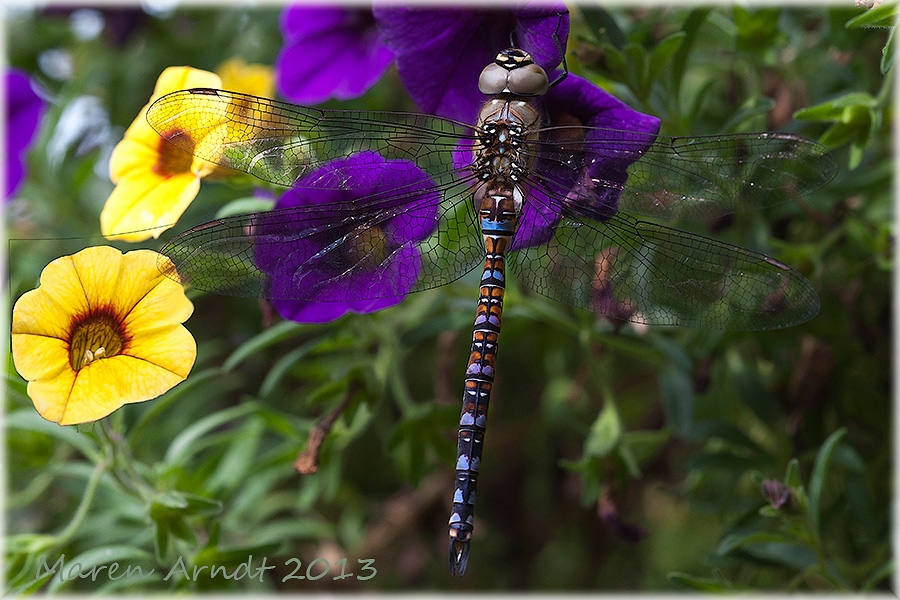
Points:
point(96, 335)
point(369, 247)
point(171, 159)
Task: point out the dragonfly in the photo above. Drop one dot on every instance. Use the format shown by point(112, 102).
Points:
point(560, 204)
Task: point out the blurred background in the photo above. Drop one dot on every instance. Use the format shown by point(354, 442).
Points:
point(618, 458)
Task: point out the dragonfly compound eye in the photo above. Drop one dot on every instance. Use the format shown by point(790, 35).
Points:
point(513, 72)
point(493, 79)
point(528, 80)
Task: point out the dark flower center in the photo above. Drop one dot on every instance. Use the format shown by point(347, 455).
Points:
point(172, 160)
point(96, 335)
point(368, 248)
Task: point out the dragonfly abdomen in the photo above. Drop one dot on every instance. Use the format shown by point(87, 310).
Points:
point(499, 215)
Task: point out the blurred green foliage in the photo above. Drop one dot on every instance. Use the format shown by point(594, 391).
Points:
point(617, 459)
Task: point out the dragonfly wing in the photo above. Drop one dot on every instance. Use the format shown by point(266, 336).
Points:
point(647, 273)
point(376, 247)
point(281, 143)
point(678, 177)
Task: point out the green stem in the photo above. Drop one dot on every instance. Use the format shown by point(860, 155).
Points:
point(121, 457)
point(86, 500)
point(887, 87)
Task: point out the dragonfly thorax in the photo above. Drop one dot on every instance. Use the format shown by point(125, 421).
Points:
point(505, 125)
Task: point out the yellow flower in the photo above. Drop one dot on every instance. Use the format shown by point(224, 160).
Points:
point(255, 79)
point(155, 180)
point(102, 330)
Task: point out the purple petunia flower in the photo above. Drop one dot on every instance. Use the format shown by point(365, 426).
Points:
point(329, 51)
point(619, 136)
point(23, 113)
point(347, 244)
point(440, 52)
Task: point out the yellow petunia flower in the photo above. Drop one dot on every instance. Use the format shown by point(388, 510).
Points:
point(253, 79)
point(102, 330)
point(155, 180)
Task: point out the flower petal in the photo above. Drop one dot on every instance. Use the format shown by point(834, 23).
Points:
point(357, 56)
point(145, 204)
point(47, 311)
point(24, 110)
point(51, 396)
point(62, 283)
point(145, 297)
point(39, 357)
point(154, 184)
point(106, 385)
point(398, 273)
point(253, 79)
point(164, 304)
point(97, 269)
point(427, 42)
point(172, 349)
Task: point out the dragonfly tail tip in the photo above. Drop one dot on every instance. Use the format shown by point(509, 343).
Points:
point(459, 556)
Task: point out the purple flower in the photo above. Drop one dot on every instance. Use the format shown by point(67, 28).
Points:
point(329, 52)
point(440, 52)
point(590, 186)
point(355, 237)
point(23, 113)
point(779, 495)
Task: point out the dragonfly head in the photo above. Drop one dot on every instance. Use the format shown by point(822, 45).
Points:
point(513, 72)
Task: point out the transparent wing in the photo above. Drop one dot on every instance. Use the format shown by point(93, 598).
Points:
point(386, 246)
point(587, 252)
point(677, 177)
point(281, 143)
point(386, 241)
point(647, 273)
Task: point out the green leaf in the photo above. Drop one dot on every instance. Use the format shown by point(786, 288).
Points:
point(758, 28)
point(643, 445)
point(188, 442)
point(703, 584)
point(605, 431)
point(663, 53)
point(882, 572)
point(239, 458)
point(214, 555)
point(738, 540)
point(29, 420)
point(30, 588)
point(836, 110)
point(882, 16)
point(729, 433)
point(888, 52)
point(242, 206)
point(636, 57)
point(601, 23)
point(283, 366)
point(279, 332)
point(758, 107)
point(677, 391)
point(792, 474)
point(615, 63)
point(725, 461)
point(818, 475)
point(161, 404)
point(692, 24)
point(790, 555)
